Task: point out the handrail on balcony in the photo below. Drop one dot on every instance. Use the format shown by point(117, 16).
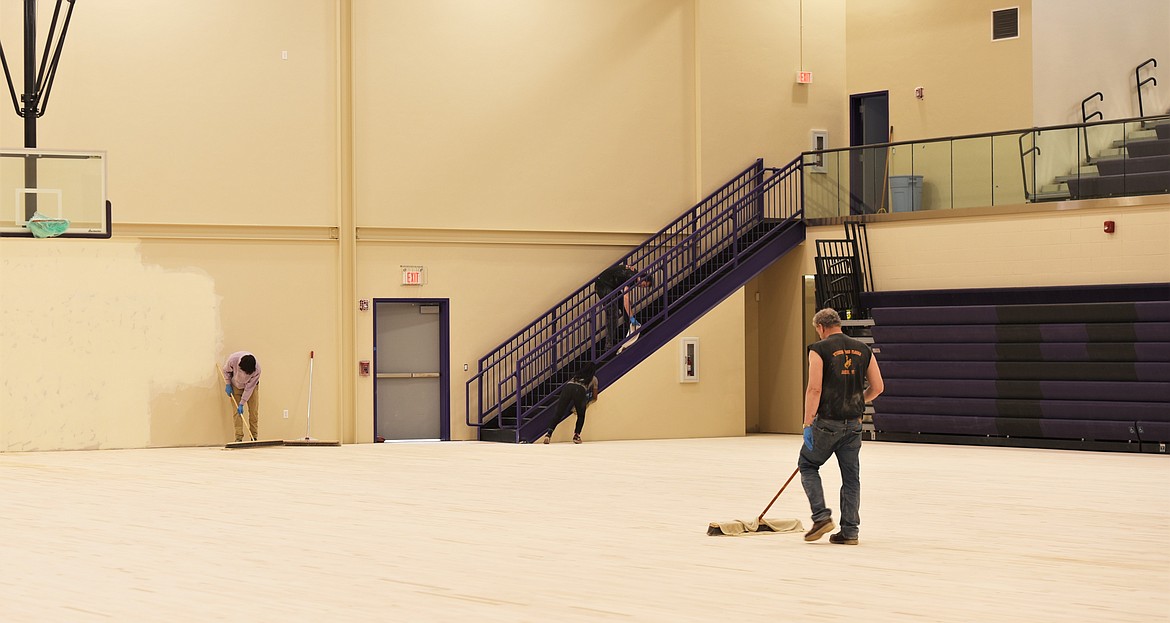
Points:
point(1085, 117)
point(1023, 168)
point(1137, 73)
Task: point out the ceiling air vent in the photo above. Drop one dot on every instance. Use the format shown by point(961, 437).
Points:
point(1005, 23)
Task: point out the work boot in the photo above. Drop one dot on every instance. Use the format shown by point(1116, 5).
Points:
point(576, 438)
point(239, 438)
point(840, 539)
point(819, 529)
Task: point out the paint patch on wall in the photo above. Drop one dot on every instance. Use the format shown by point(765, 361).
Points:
point(90, 334)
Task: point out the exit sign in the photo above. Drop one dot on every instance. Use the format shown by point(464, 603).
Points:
point(412, 275)
point(804, 77)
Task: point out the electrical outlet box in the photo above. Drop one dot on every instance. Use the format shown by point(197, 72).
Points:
point(286, 414)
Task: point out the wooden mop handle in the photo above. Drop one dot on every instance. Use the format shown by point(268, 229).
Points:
point(765, 512)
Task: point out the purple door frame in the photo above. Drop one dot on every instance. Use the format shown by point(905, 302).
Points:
point(444, 360)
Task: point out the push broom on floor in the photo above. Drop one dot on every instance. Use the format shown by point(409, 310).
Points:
point(308, 440)
point(759, 524)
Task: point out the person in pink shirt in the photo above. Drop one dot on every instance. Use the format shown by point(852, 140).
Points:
point(241, 375)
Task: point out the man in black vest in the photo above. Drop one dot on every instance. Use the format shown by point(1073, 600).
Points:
point(839, 368)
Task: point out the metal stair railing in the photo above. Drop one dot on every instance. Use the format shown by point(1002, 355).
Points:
point(494, 378)
point(776, 198)
point(509, 376)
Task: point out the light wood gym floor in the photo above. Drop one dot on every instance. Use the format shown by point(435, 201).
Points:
point(607, 531)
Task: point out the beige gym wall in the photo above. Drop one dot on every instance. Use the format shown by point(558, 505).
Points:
point(971, 83)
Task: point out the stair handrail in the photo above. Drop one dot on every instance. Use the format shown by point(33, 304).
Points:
point(1137, 73)
point(1023, 168)
point(1085, 119)
point(574, 301)
point(659, 270)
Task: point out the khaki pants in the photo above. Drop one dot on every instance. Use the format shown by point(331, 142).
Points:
point(253, 409)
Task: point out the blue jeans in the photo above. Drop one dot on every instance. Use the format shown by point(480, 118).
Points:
point(842, 438)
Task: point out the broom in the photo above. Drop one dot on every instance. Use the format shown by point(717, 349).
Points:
point(759, 524)
point(308, 440)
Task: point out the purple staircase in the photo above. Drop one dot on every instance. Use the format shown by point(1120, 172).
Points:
point(696, 261)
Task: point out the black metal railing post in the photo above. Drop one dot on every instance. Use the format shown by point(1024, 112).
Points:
point(1138, 77)
point(1085, 118)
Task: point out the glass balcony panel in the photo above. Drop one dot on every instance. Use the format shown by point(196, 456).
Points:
point(825, 195)
point(972, 176)
point(934, 163)
point(1007, 171)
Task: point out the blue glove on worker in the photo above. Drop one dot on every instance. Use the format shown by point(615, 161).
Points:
point(227, 388)
point(808, 442)
point(240, 411)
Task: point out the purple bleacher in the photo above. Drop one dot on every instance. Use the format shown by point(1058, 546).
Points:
point(1142, 149)
point(1044, 409)
point(1111, 293)
point(1125, 166)
point(1119, 185)
point(1062, 371)
point(1118, 391)
point(1116, 351)
point(1142, 311)
point(1154, 431)
point(1078, 366)
point(1076, 332)
point(940, 424)
point(1097, 430)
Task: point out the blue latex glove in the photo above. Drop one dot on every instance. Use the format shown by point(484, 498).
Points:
point(227, 388)
point(808, 440)
point(240, 411)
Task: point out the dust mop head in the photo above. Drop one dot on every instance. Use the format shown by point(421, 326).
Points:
point(753, 526)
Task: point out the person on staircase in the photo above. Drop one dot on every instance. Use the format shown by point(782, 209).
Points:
point(617, 311)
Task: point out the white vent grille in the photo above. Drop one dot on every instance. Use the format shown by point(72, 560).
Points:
point(1005, 23)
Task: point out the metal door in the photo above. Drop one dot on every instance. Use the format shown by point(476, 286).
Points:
point(410, 369)
point(869, 124)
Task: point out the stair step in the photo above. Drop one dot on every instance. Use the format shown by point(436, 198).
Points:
point(1122, 142)
point(1147, 164)
point(1137, 136)
point(1051, 196)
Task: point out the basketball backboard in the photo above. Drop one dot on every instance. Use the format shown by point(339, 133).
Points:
point(57, 184)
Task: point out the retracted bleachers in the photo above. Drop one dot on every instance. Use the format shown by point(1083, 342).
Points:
point(1057, 367)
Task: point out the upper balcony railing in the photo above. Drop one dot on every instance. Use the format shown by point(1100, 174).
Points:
point(993, 169)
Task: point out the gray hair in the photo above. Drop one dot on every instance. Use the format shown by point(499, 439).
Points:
point(827, 318)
